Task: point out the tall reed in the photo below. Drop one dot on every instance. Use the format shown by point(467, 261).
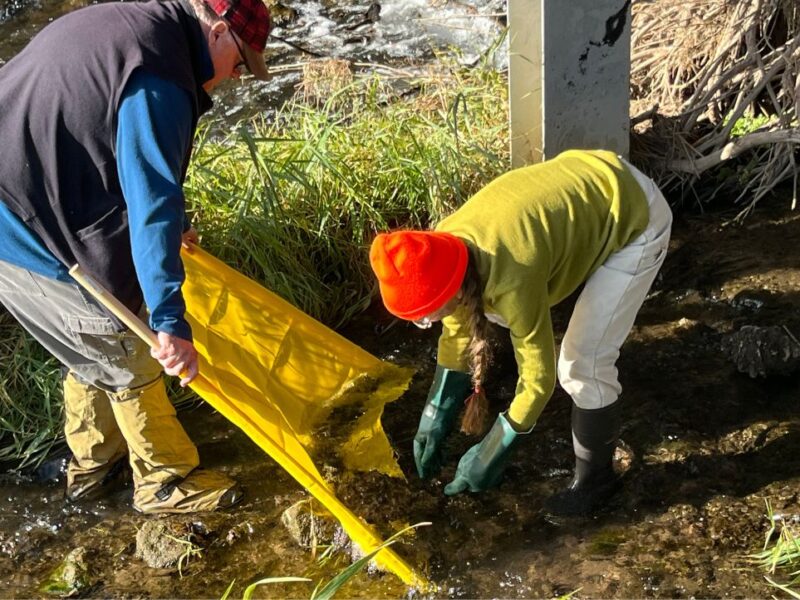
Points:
point(30, 397)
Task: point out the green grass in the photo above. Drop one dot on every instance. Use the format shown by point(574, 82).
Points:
point(780, 556)
point(295, 202)
point(31, 409)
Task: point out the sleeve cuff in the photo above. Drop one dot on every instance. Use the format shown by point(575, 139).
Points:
point(177, 327)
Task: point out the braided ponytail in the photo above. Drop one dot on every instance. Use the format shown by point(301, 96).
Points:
point(474, 418)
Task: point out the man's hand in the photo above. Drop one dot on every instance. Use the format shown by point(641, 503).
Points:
point(190, 238)
point(177, 356)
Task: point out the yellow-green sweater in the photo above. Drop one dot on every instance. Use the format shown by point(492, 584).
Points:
point(536, 234)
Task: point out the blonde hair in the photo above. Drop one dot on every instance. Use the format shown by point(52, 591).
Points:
point(474, 418)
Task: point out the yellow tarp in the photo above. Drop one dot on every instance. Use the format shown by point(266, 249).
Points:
point(278, 374)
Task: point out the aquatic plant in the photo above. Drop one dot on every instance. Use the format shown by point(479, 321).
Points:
point(329, 589)
point(190, 551)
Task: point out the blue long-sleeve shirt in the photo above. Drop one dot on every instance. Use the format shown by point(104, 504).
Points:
point(157, 121)
point(154, 128)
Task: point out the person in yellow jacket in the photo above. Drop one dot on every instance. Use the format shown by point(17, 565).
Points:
point(519, 246)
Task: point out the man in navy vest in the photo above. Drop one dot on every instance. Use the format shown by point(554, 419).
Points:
point(99, 113)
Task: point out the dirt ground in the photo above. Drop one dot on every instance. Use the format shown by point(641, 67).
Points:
point(707, 445)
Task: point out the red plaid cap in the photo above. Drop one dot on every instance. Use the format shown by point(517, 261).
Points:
point(249, 19)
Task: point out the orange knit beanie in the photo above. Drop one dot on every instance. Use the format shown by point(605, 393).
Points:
point(418, 271)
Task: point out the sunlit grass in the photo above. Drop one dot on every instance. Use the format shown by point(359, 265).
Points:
point(780, 556)
point(295, 202)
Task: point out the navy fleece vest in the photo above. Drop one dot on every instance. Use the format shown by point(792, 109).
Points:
point(58, 106)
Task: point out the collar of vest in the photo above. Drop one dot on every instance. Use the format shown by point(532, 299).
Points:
point(202, 67)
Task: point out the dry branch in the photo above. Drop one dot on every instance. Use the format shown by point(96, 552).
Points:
point(724, 76)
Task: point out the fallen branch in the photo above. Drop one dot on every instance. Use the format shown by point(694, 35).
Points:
point(725, 78)
point(734, 149)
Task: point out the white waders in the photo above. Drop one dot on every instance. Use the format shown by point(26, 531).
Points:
point(602, 319)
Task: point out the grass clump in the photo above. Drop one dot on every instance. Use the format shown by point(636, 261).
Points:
point(781, 553)
point(294, 202)
point(31, 407)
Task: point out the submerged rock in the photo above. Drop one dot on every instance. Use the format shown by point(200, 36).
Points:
point(763, 351)
point(309, 525)
point(70, 578)
point(312, 527)
point(159, 546)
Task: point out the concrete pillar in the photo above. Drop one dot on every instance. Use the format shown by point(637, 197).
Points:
point(569, 76)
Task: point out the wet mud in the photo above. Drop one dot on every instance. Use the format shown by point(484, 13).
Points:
point(705, 445)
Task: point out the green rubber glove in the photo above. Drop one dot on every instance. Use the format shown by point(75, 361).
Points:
point(448, 392)
point(482, 465)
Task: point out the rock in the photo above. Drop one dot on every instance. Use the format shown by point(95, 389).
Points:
point(281, 14)
point(355, 553)
point(309, 525)
point(159, 546)
point(70, 578)
point(16, 546)
point(762, 351)
point(686, 324)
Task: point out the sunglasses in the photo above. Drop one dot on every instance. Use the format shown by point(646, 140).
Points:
point(242, 63)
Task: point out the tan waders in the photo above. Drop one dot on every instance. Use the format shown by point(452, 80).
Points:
point(93, 436)
point(162, 457)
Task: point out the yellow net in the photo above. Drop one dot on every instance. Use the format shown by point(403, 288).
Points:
point(278, 374)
